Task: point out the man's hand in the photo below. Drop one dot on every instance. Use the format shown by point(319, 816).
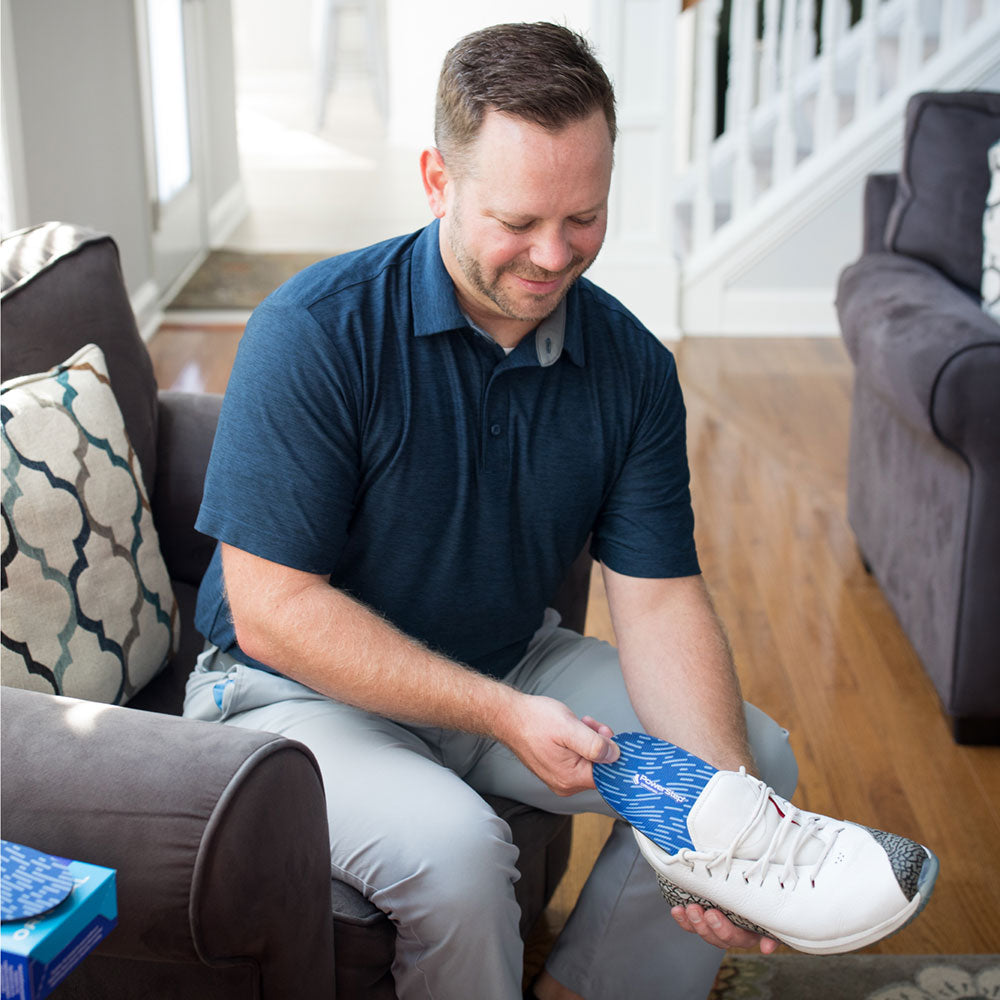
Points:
point(715, 928)
point(556, 746)
point(300, 625)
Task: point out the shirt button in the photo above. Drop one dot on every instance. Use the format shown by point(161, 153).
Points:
point(495, 430)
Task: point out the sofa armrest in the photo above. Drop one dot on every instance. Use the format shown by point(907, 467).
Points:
point(906, 326)
point(880, 193)
point(218, 834)
point(187, 423)
point(965, 409)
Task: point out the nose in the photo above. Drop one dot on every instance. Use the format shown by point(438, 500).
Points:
point(551, 250)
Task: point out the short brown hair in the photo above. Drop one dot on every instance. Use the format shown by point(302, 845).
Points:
point(544, 73)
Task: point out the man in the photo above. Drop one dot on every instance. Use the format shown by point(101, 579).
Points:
point(417, 441)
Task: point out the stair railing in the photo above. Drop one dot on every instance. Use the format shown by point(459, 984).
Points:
point(785, 78)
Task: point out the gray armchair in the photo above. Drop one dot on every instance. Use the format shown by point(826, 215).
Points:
point(218, 834)
point(924, 467)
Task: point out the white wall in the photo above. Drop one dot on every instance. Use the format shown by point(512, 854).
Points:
point(81, 133)
point(419, 35)
point(73, 77)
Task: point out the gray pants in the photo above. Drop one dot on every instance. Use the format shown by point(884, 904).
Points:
point(409, 829)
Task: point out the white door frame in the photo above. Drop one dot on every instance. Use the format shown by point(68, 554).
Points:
point(179, 235)
point(636, 41)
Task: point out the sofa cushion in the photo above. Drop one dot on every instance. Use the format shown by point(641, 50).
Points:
point(938, 212)
point(88, 609)
point(991, 239)
point(61, 287)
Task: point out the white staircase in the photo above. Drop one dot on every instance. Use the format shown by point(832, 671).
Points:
point(762, 216)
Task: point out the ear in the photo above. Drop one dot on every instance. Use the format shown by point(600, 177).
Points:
point(436, 180)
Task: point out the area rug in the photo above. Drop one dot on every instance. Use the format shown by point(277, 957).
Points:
point(858, 977)
point(234, 279)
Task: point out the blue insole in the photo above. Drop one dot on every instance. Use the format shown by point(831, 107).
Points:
point(653, 786)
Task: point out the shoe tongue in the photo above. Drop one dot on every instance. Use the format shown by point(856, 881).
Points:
point(724, 808)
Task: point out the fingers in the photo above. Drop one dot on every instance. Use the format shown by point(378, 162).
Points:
point(558, 747)
point(598, 748)
point(713, 927)
point(598, 727)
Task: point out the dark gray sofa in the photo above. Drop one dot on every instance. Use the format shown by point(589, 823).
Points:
point(218, 834)
point(924, 467)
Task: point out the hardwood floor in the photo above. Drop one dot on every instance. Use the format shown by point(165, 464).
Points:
point(817, 646)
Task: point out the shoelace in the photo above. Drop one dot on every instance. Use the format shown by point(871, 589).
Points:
point(807, 826)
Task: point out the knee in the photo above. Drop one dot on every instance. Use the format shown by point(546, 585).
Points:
point(472, 857)
point(454, 865)
point(773, 753)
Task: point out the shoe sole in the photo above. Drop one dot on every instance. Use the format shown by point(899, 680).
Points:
point(676, 896)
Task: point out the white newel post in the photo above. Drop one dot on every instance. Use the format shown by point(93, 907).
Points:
point(638, 264)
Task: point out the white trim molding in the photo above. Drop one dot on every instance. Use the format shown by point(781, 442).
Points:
point(226, 214)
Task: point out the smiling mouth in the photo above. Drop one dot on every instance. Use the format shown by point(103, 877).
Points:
point(547, 281)
point(533, 285)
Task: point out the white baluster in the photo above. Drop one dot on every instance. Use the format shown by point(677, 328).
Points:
point(806, 32)
point(827, 121)
point(769, 50)
point(704, 202)
point(785, 143)
point(911, 42)
point(743, 38)
point(732, 67)
point(952, 22)
point(867, 90)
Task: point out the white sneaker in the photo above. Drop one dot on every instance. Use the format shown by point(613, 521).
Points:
point(819, 885)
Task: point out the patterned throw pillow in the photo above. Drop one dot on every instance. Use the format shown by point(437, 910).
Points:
point(991, 239)
point(88, 610)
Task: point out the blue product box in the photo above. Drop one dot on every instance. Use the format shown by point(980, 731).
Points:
point(38, 952)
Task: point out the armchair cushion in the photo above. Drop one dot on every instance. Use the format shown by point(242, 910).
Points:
point(61, 286)
point(88, 606)
point(938, 210)
point(186, 431)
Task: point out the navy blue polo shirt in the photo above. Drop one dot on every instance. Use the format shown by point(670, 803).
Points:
point(370, 433)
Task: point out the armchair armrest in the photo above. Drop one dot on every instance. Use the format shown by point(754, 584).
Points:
point(187, 423)
point(880, 193)
point(907, 328)
point(218, 834)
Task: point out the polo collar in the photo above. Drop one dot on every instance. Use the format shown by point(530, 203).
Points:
point(436, 309)
point(432, 293)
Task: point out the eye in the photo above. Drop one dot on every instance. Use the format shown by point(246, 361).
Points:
point(514, 228)
point(584, 222)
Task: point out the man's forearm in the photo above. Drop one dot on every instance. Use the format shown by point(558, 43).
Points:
point(325, 639)
point(678, 667)
point(298, 624)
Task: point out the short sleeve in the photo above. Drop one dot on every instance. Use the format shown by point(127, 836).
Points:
point(283, 473)
point(646, 525)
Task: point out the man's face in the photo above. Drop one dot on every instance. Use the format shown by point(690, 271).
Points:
point(523, 217)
